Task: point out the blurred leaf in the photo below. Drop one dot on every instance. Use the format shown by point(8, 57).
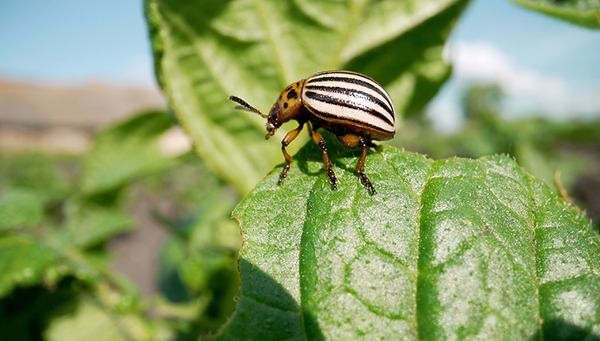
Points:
point(53, 177)
point(87, 322)
point(124, 152)
point(23, 262)
point(24, 313)
point(448, 249)
point(93, 316)
point(20, 207)
point(204, 264)
point(581, 12)
point(89, 224)
point(172, 255)
point(205, 51)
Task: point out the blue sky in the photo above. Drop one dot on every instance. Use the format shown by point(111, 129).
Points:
point(74, 41)
point(546, 66)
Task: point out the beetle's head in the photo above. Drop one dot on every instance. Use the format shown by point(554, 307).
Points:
point(273, 120)
point(287, 107)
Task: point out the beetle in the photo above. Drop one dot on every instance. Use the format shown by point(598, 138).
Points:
point(351, 105)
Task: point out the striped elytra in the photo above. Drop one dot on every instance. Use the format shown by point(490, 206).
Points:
point(351, 98)
point(352, 106)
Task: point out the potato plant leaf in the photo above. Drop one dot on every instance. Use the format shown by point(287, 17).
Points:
point(125, 152)
point(581, 12)
point(23, 262)
point(20, 207)
point(206, 50)
point(88, 224)
point(447, 249)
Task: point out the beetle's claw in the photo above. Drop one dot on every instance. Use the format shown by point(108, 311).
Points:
point(332, 179)
point(283, 174)
point(368, 185)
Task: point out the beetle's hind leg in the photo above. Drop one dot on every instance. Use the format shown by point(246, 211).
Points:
point(289, 137)
point(328, 165)
point(352, 140)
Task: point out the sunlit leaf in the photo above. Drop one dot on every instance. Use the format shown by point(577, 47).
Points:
point(448, 249)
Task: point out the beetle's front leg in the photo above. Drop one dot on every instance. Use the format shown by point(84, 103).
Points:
point(328, 166)
point(289, 137)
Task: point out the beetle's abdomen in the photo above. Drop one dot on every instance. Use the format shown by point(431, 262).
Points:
point(350, 98)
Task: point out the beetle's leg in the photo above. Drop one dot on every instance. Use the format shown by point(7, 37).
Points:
point(289, 137)
point(328, 166)
point(360, 167)
point(352, 140)
point(310, 129)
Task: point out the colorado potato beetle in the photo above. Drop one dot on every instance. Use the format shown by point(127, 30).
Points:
point(352, 106)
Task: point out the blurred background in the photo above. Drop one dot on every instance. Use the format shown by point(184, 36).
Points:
point(77, 77)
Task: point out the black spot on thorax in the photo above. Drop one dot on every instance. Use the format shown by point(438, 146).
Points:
point(292, 94)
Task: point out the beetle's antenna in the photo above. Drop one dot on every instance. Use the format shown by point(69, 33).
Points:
point(245, 106)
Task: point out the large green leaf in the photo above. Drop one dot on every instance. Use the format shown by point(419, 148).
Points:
point(207, 50)
point(582, 12)
point(448, 249)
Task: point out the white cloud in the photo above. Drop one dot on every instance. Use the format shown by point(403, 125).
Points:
point(528, 92)
point(483, 62)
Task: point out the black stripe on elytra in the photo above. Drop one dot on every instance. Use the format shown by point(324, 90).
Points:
point(327, 115)
point(326, 78)
point(352, 93)
point(347, 104)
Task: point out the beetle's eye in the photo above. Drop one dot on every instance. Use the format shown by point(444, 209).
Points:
point(274, 114)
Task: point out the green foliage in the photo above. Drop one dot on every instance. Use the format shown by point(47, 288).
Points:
point(89, 224)
point(55, 272)
point(205, 51)
point(447, 249)
point(198, 263)
point(581, 12)
point(125, 152)
point(23, 262)
point(539, 145)
point(20, 207)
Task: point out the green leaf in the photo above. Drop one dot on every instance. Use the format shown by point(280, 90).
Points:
point(89, 224)
point(581, 12)
point(205, 51)
point(97, 312)
point(52, 176)
point(125, 152)
point(23, 262)
point(99, 325)
point(448, 249)
point(201, 265)
point(20, 207)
